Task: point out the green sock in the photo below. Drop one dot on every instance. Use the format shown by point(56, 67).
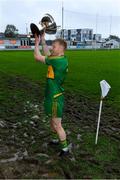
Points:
point(64, 145)
point(54, 137)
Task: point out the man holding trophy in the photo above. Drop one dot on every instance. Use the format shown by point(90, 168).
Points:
point(57, 70)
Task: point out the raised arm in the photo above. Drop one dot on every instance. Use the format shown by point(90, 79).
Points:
point(37, 54)
point(45, 48)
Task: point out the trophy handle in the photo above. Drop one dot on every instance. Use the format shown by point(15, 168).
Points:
point(50, 17)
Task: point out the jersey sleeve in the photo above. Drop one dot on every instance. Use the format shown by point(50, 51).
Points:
point(48, 61)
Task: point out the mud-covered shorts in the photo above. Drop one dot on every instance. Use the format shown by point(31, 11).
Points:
point(54, 106)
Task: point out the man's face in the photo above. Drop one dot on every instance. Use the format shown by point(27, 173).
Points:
point(57, 48)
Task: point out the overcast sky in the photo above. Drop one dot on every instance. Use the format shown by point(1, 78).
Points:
point(101, 15)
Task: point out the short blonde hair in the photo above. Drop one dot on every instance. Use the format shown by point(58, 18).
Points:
point(61, 42)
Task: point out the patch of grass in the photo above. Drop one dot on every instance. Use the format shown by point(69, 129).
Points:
point(86, 70)
point(95, 161)
point(105, 150)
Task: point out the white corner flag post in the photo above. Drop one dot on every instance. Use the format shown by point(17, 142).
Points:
point(105, 87)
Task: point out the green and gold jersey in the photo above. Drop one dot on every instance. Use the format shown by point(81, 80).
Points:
point(57, 70)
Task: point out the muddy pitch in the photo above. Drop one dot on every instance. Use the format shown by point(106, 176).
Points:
point(25, 133)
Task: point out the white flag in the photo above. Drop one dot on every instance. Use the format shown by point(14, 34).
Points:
point(105, 87)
